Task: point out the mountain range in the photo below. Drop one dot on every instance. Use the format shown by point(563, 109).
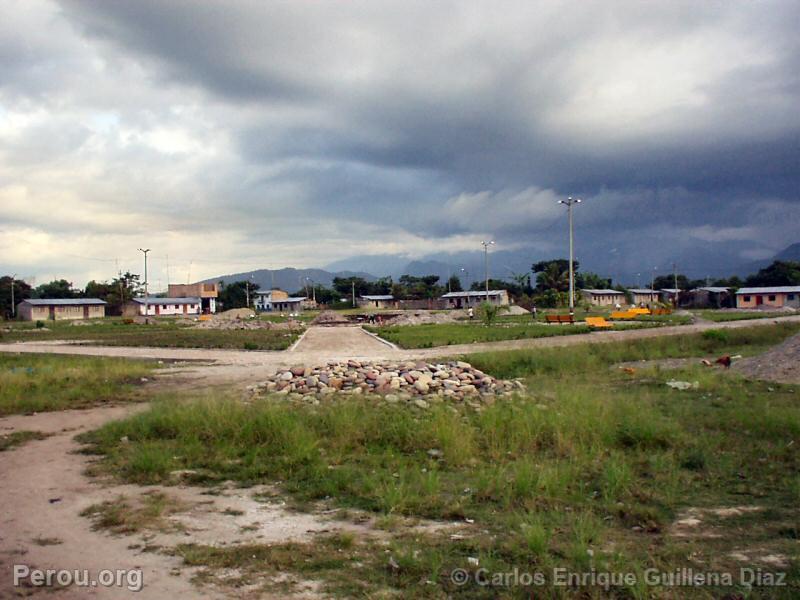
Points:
point(471, 267)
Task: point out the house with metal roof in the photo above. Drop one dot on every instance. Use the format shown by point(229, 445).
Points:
point(163, 307)
point(769, 297)
point(377, 301)
point(708, 297)
point(603, 297)
point(61, 309)
point(642, 296)
point(473, 299)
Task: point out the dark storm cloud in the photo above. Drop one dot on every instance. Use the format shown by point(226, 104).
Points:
point(675, 120)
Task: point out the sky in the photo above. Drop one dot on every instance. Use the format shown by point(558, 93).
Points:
point(234, 135)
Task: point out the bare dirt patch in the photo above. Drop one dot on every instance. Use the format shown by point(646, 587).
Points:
point(780, 364)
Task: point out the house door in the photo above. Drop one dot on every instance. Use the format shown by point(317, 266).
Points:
point(759, 300)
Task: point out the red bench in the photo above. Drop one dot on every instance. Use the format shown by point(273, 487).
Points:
point(559, 319)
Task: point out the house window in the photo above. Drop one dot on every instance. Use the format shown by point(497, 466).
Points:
point(177, 307)
point(790, 297)
point(747, 298)
point(771, 297)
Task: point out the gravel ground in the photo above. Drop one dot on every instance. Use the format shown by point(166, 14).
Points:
point(781, 364)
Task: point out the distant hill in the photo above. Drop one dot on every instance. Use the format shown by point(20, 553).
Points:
point(288, 279)
point(470, 267)
point(789, 253)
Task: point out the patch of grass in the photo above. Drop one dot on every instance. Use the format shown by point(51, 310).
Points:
point(17, 438)
point(123, 516)
point(578, 360)
point(588, 470)
point(47, 541)
point(41, 382)
point(470, 332)
point(722, 316)
point(162, 333)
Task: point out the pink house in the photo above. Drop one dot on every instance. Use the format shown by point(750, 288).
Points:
point(772, 297)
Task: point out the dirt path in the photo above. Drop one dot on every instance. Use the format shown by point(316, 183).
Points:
point(42, 494)
point(352, 342)
point(44, 490)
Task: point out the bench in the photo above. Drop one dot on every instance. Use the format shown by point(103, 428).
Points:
point(620, 315)
point(661, 311)
point(559, 319)
point(598, 322)
point(639, 311)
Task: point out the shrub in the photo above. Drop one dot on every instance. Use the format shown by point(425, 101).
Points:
point(716, 335)
point(39, 324)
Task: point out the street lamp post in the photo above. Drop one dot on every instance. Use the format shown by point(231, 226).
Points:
point(313, 290)
point(13, 305)
point(145, 251)
point(486, 263)
point(570, 202)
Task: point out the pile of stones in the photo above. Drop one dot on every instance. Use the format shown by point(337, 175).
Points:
point(416, 382)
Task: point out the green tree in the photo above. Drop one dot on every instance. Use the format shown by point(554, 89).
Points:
point(553, 274)
point(344, 285)
point(22, 291)
point(234, 295)
point(780, 272)
point(454, 284)
point(59, 288)
point(591, 281)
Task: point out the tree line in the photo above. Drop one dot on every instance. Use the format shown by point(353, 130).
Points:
point(546, 285)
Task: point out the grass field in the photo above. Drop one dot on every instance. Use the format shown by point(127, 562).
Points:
point(163, 333)
point(446, 334)
point(589, 471)
point(41, 382)
point(720, 316)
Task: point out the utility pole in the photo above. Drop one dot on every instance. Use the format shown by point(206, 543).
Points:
point(569, 202)
point(13, 304)
point(486, 263)
point(653, 280)
point(354, 292)
point(146, 309)
point(675, 282)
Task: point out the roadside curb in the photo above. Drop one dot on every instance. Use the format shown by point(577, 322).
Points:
point(380, 339)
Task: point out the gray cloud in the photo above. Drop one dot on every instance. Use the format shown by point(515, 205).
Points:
point(409, 126)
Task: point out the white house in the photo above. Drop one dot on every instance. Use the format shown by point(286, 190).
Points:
point(474, 298)
point(167, 307)
point(603, 297)
point(278, 300)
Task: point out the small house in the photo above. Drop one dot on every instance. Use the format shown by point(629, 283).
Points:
point(771, 297)
point(61, 309)
point(671, 295)
point(643, 296)
point(206, 292)
point(708, 297)
point(377, 301)
point(473, 299)
point(603, 297)
point(163, 307)
point(278, 300)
